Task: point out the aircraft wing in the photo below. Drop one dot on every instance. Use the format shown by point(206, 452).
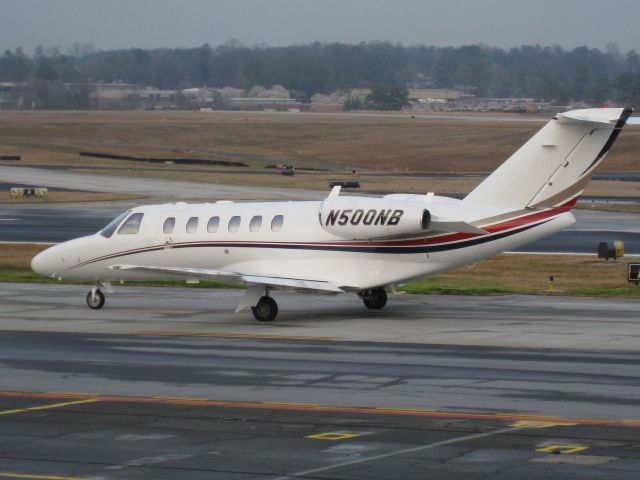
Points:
point(203, 273)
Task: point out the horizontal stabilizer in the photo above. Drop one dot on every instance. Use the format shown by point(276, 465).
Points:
point(206, 274)
point(597, 116)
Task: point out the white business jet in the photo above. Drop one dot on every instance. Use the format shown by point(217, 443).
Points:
point(347, 243)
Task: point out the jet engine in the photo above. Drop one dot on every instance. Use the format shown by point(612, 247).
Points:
point(363, 218)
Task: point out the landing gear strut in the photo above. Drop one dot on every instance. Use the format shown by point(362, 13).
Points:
point(95, 298)
point(374, 298)
point(265, 310)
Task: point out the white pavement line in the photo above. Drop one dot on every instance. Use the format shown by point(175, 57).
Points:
point(552, 253)
point(10, 219)
point(570, 254)
point(399, 452)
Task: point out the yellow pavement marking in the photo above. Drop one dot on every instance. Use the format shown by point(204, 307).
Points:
point(76, 394)
point(521, 420)
point(543, 424)
point(190, 399)
point(36, 477)
point(534, 417)
point(9, 412)
point(563, 449)
point(333, 435)
point(405, 410)
point(48, 407)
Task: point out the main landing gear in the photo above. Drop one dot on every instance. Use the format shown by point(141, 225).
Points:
point(374, 298)
point(265, 310)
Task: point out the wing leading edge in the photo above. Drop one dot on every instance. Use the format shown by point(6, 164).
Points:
point(206, 274)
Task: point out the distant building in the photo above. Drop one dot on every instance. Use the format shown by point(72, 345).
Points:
point(5, 92)
point(121, 96)
point(252, 103)
point(416, 94)
point(201, 97)
point(326, 107)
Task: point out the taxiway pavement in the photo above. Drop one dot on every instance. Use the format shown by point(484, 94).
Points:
point(458, 353)
point(171, 384)
point(169, 190)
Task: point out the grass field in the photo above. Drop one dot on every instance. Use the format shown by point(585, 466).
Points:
point(503, 274)
point(338, 143)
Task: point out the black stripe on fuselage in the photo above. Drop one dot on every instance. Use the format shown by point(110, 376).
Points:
point(332, 248)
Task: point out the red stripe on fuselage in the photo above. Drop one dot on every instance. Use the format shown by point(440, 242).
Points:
point(431, 240)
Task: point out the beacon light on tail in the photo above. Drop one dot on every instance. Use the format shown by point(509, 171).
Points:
point(348, 243)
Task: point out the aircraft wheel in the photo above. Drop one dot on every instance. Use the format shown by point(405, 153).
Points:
point(375, 298)
point(95, 299)
point(266, 309)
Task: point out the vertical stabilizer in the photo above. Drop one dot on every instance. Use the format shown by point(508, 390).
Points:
point(556, 164)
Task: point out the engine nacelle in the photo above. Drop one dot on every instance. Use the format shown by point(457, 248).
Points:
point(362, 218)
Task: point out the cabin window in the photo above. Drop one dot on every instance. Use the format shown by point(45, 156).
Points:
point(131, 225)
point(168, 225)
point(234, 224)
point(107, 231)
point(276, 223)
point(256, 223)
point(192, 225)
point(213, 224)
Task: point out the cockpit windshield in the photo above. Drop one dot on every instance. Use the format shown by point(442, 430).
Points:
point(131, 226)
point(107, 231)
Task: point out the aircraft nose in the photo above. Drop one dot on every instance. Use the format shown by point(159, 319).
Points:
point(44, 263)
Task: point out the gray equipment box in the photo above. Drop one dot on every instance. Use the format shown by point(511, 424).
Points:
point(633, 272)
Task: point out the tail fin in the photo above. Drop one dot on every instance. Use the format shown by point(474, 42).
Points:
point(556, 164)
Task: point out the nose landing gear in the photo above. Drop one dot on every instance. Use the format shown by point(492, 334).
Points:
point(95, 298)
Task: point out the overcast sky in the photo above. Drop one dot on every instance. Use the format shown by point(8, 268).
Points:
point(112, 24)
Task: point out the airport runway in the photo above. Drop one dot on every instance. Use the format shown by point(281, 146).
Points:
point(52, 225)
point(168, 190)
point(170, 384)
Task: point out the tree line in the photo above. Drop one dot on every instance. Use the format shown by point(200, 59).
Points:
point(530, 71)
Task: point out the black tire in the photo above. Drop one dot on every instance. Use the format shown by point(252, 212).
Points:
point(95, 302)
point(375, 298)
point(266, 309)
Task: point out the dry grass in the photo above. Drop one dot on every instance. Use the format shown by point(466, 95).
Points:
point(511, 273)
point(18, 256)
point(507, 273)
point(333, 141)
